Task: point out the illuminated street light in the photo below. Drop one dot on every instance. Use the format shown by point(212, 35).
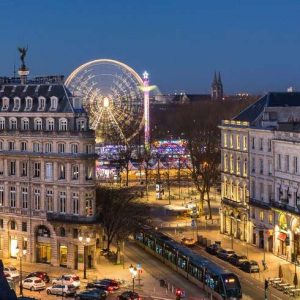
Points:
point(21, 254)
point(133, 272)
point(85, 241)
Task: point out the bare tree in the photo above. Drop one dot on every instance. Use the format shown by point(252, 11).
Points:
point(125, 156)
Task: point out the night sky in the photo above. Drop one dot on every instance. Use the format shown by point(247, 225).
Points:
point(254, 43)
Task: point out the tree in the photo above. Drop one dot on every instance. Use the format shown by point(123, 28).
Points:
point(120, 213)
point(145, 157)
point(125, 156)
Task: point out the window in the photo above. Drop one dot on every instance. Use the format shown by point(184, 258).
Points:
point(295, 164)
point(261, 141)
point(238, 142)
point(17, 104)
point(231, 163)
point(75, 172)
point(53, 105)
point(37, 199)
point(62, 171)
point(61, 148)
point(253, 189)
point(261, 190)
point(23, 146)
point(49, 200)
point(238, 166)
point(63, 125)
point(75, 203)
point(269, 145)
point(245, 170)
point(24, 226)
point(11, 146)
point(225, 139)
point(5, 103)
point(62, 202)
point(12, 196)
point(270, 192)
point(253, 142)
point(1, 195)
point(261, 166)
point(89, 204)
point(270, 218)
point(1, 226)
point(28, 104)
point(225, 163)
point(24, 124)
point(74, 148)
point(244, 143)
point(89, 149)
point(38, 124)
point(49, 170)
point(36, 169)
point(231, 141)
point(12, 169)
point(48, 147)
point(279, 162)
point(80, 125)
point(89, 172)
point(1, 145)
point(42, 104)
point(287, 163)
point(24, 168)
point(261, 216)
point(2, 123)
point(24, 197)
point(50, 124)
point(37, 147)
point(253, 164)
point(13, 124)
point(13, 225)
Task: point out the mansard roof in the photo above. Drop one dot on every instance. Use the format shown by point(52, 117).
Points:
point(272, 99)
point(35, 91)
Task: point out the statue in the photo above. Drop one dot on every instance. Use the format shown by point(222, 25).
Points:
point(23, 52)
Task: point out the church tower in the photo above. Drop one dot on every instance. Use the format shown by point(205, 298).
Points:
point(217, 87)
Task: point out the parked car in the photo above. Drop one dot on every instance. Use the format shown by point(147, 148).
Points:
point(129, 295)
point(61, 290)
point(34, 284)
point(189, 242)
point(237, 259)
point(69, 279)
point(212, 249)
point(105, 284)
point(43, 275)
point(250, 266)
point(225, 253)
point(95, 294)
point(11, 272)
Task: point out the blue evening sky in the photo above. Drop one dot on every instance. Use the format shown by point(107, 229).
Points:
point(254, 43)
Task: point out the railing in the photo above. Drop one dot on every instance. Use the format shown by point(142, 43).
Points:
point(259, 203)
point(285, 206)
point(67, 218)
point(233, 203)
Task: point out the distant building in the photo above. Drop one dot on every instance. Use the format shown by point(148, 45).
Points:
point(217, 88)
point(181, 98)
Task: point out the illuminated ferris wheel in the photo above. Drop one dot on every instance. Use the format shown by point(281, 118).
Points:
point(114, 96)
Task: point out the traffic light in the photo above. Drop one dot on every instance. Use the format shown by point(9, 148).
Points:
point(266, 284)
point(178, 294)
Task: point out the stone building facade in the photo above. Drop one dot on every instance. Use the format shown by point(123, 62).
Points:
point(47, 180)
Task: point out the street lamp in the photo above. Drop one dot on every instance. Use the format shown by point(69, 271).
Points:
point(85, 241)
point(133, 271)
point(21, 254)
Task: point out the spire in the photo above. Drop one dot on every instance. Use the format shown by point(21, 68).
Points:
point(219, 78)
point(215, 78)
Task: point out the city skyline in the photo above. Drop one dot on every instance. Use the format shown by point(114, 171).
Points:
point(254, 46)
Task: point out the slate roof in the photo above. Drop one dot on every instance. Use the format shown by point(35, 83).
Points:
point(272, 99)
point(35, 91)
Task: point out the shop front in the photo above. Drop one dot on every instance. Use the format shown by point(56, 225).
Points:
point(43, 245)
point(63, 256)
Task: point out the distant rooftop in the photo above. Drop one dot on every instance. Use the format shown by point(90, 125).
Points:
point(54, 79)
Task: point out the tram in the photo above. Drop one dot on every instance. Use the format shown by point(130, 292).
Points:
point(210, 277)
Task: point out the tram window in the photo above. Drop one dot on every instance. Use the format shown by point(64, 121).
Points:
point(181, 263)
point(139, 237)
point(159, 249)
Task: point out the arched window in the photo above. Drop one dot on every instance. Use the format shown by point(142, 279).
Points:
point(63, 124)
point(24, 124)
point(13, 225)
point(50, 124)
point(2, 123)
point(37, 147)
point(48, 147)
point(74, 148)
point(12, 123)
point(61, 147)
point(38, 124)
point(62, 231)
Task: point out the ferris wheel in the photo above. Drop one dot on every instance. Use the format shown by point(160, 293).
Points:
point(113, 94)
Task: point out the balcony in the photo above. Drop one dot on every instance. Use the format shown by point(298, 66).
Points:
point(233, 203)
point(67, 218)
point(259, 203)
point(284, 206)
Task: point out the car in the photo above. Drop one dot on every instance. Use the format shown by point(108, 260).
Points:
point(129, 295)
point(11, 272)
point(69, 279)
point(105, 284)
point(237, 259)
point(43, 275)
point(189, 242)
point(225, 253)
point(250, 266)
point(33, 284)
point(212, 249)
point(94, 294)
point(61, 290)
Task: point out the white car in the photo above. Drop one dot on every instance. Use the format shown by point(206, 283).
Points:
point(61, 290)
point(11, 272)
point(33, 284)
point(69, 279)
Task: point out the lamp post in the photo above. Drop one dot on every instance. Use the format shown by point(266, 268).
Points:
point(85, 241)
point(21, 254)
point(133, 272)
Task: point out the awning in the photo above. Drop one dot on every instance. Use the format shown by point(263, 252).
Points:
point(282, 236)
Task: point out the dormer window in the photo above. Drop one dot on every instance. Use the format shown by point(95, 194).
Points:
point(53, 103)
point(28, 105)
point(42, 104)
point(17, 104)
point(5, 103)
